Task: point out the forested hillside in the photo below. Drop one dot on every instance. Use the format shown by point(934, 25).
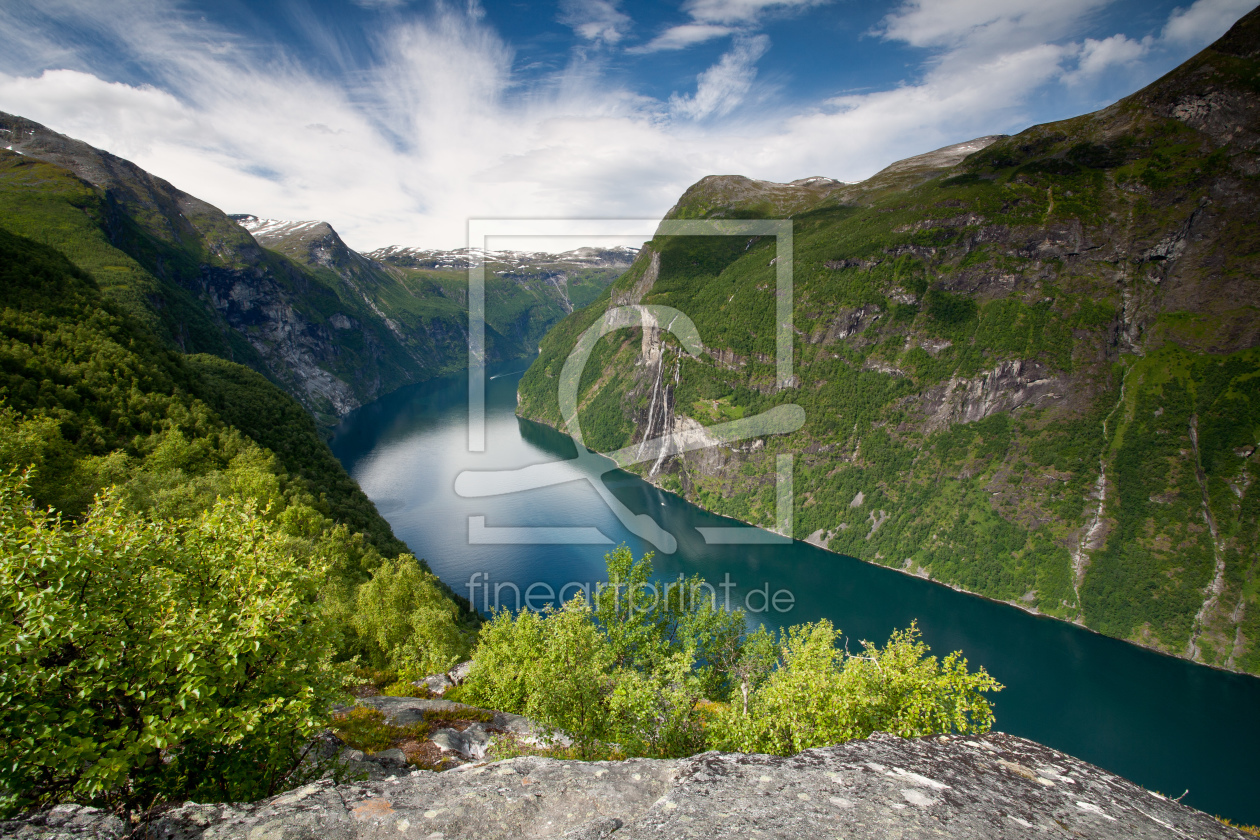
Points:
point(1030, 365)
point(90, 398)
point(174, 627)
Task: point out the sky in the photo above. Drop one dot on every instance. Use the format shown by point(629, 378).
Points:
point(397, 121)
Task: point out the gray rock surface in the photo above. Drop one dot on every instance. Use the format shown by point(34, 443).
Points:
point(995, 786)
point(390, 758)
point(436, 683)
point(460, 672)
point(471, 743)
point(402, 711)
point(66, 822)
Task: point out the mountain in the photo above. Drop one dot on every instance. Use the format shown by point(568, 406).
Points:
point(333, 328)
point(421, 295)
point(1029, 365)
point(90, 398)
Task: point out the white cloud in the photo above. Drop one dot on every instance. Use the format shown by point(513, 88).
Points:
point(123, 119)
point(1187, 28)
point(997, 24)
point(683, 36)
point(595, 20)
point(723, 86)
point(1204, 21)
point(868, 131)
point(1096, 57)
point(716, 18)
point(741, 11)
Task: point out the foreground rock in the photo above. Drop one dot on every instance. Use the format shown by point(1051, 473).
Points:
point(401, 711)
point(997, 786)
point(439, 684)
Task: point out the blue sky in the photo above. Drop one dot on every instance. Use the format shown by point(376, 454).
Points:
point(397, 121)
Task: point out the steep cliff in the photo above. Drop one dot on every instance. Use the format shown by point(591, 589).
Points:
point(1030, 365)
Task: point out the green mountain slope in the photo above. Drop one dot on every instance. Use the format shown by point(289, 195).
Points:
point(91, 398)
point(1030, 365)
point(192, 274)
point(149, 634)
point(333, 328)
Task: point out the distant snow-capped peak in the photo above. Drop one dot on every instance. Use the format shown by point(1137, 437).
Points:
point(463, 257)
point(272, 229)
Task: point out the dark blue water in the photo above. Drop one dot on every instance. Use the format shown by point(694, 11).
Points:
point(1163, 722)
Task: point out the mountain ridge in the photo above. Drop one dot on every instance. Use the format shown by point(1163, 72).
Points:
point(423, 293)
point(1029, 366)
point(332, 327)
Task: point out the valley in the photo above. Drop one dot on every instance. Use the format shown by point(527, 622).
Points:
point(1004, 402)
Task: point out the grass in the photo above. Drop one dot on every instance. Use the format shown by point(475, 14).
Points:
point(364, 728)
point(503, 747)
point(367, 729)
point(1253, 830)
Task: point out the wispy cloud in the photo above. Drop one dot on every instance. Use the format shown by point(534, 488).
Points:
point(381, 4)
point(717, 18)
point(600, 21)
point(741, 11)
point(1009, 23)
point(683, 36)
point(723, 86)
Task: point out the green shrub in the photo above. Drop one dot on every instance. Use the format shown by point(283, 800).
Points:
point(821, 694)
point(569, 680)
point(407, 621)
point(501, 674)
point(376, 678)
point(644, 673)
point(403, 688)
point(650, 623)
point(555, 668)
point(145, 659)
point(654, 713)
point(507, 746)
point(434, 716)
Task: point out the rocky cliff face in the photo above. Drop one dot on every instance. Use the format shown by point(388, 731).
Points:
point(1009, 353)
point(421, 295)
point(201, 279)
point(996, 786)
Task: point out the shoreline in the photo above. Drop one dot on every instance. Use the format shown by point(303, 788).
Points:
point(1032, 611)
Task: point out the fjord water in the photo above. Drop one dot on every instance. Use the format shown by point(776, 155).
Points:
point(1165, 723)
